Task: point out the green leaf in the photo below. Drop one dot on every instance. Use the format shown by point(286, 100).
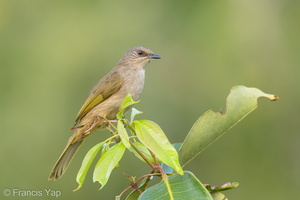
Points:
point(107, 163)
point(143, 150)
point(125, 105)
point(184, 187)
point(123, 134)
point(153, 137)
point(166, 168)
point(218, 196)
point(212, 125)
point(134, 112)
point(86, 163)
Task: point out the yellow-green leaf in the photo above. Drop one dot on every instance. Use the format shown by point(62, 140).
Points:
point(123, 134)
point(153, 137)
point(107, 163)
point(86, 163)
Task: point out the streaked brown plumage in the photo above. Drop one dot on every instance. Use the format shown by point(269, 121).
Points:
point(104, 100)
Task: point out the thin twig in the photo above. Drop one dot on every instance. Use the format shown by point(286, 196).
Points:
point(110, 123)
point(143, 156)
point(154, 157)
point(134, 184)
point(128, 188)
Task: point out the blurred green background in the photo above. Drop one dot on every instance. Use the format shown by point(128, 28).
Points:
point(53, 52)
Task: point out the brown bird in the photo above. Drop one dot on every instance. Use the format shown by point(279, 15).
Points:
point(104, 101)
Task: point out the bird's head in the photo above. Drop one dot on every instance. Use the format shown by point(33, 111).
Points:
point(138, 56)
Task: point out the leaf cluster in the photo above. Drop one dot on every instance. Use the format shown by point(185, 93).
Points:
point(147, 141)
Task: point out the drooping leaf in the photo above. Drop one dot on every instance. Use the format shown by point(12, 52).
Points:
point(107, 163)
point(86, 163)
point(153, 137)
point(166, 168)
point(184, 187)
point(123, 134)
point(212, 125)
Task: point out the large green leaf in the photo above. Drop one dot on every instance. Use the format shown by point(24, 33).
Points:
point(107, 163)
point(186, 187)
point(153, 137)
point(86, 163)
point(212, 125)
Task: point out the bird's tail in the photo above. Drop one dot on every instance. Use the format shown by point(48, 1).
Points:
point(65, 158)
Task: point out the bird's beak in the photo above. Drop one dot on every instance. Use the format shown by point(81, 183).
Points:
point(154, 56)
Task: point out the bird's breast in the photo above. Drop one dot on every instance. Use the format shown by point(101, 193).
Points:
point(134, 83)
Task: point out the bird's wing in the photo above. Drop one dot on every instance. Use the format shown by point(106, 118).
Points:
point(106, 87)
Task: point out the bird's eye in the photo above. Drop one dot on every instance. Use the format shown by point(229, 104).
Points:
point(140, 52)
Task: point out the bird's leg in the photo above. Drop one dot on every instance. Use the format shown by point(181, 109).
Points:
point(111, 128)
point(112, 120)
point(74, 128)
point(109, 123)
point(92, 125)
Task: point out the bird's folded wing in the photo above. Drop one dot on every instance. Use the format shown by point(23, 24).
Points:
point(106, 87)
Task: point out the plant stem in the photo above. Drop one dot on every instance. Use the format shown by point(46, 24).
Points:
point(143, 156)
point(154, 157)
point(165, 178)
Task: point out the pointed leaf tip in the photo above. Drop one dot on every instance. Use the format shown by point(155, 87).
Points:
point(107, 163)
point(86, 163)
point(212, 125)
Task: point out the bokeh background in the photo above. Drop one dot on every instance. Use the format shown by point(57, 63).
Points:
point(53, 52)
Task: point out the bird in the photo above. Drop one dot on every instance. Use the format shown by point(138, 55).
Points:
point(104, 100)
